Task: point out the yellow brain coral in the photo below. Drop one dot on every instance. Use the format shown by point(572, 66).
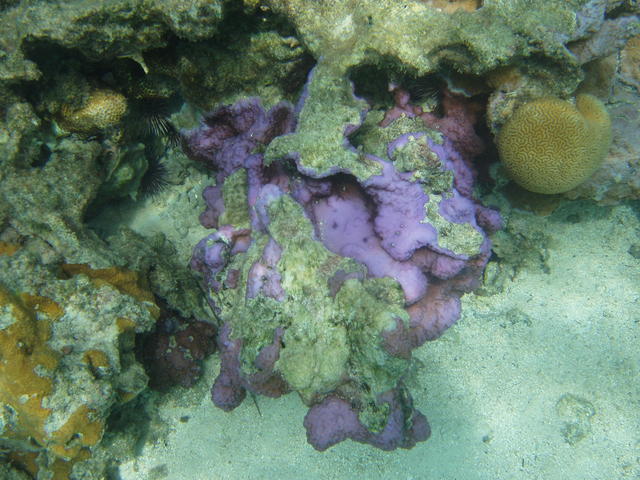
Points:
point(551, 146)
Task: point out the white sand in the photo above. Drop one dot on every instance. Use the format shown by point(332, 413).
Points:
point(489, 387)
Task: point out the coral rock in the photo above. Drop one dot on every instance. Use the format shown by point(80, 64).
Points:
point(173, 354)
point(334, 420)
point(335, 256)
point(66, 357)
point(23, 342)
point(630, 65)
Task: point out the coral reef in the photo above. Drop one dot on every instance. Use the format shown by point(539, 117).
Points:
point(550, 146)
point(360, 211)
point(67, 339)
point(329, 265)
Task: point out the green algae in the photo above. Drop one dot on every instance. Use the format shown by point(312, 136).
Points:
point(374, 140)
point(326, 336)
point(319, 142)
point(416, 156)
point(234, 196)
point(460, 238)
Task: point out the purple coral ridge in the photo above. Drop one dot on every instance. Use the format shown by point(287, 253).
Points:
point(334, 420)
point(380, 222)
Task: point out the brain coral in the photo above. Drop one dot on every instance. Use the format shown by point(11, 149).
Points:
point(551, 146)
point(103, 109)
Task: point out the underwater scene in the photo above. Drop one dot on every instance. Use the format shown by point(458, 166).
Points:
point(319, 239)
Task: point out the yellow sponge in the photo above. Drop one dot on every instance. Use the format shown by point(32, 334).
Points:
point(551, 146)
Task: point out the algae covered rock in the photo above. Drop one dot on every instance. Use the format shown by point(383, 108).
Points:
point(343, 260)
point(67, 339)
point(99, 29)
point(617, 179)
point(49, 201)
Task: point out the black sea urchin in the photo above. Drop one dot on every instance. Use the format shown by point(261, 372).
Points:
point(156, 179)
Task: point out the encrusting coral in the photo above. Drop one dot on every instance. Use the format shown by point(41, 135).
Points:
point(66, 356)
point(27, 382)
point(551, 146)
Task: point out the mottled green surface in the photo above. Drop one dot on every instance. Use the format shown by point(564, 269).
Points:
point(326, 337)
point(234, 195)
point(416, 156)
point(319, 142)
point(375, 140)
point(239, 63)
point(461, 238)
point(422, 38)
point(50, 202)
point(100, 29)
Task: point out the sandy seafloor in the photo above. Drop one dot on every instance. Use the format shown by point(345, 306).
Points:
point(537, 381)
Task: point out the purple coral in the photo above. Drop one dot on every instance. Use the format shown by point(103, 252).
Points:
point(226, 140)
point(230, 387)
point(380, 222)
point(334, 420)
